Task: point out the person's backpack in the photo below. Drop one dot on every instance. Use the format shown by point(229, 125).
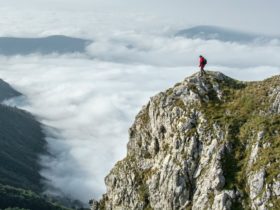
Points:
point(204, 61)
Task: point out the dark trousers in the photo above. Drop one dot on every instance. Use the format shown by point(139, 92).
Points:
point(202, 72)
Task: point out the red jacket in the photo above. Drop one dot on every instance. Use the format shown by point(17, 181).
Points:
point(201, 61)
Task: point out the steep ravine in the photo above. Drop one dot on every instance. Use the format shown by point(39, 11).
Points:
point(209, 142)
point(22, 141)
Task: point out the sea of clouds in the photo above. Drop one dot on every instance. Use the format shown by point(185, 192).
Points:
point(88, 101)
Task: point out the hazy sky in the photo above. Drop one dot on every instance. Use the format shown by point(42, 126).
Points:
point(250, 15)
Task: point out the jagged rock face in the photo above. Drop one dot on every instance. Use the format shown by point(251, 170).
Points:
point(209, 142)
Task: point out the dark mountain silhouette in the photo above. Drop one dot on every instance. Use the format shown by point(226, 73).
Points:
point(21, 143)
point(6, 91)
point(222, 34)
point(46, 45)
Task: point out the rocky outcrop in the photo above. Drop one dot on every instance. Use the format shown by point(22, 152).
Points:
point(209, 142)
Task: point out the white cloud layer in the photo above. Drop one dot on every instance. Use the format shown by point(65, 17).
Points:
point(88, 106)
point(166, 50)
point(88, 102)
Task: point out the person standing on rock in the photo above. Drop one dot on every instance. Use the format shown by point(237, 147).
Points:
point(202, 63)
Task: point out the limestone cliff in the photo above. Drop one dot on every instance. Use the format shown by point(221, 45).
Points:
point(209, 142)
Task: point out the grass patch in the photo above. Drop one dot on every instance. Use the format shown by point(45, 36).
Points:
point(11, 197)
point(241, 116)
point(179, 103)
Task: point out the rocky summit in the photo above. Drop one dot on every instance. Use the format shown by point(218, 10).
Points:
point(209, 142)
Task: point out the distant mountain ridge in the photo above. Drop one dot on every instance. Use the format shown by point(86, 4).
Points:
point(46, 45)
point(6, 91)
point(21, 143)
point(222, 34)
